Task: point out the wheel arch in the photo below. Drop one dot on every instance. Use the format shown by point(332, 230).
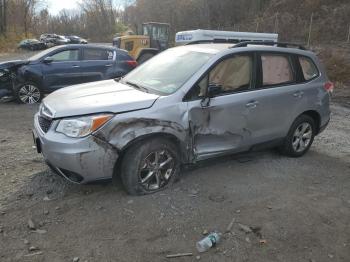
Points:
point(170, 137)
point(315, 116)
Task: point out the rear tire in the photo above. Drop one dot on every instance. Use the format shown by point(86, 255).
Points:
point(300, 137)
point(150, 166)
point(28, 93)
point(143, 58)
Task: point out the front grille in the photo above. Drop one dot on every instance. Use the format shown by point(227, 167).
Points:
point(44, 123)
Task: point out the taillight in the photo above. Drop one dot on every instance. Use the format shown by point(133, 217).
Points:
point(329, 87)
point(132, 63)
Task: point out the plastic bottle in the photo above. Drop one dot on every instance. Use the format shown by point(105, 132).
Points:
point(209, 241)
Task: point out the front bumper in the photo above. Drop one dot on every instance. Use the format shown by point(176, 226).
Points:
point(79, 160)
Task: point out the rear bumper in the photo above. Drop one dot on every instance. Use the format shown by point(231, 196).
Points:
point(79, 160)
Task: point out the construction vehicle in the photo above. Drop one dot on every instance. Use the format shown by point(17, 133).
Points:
point(153, 39)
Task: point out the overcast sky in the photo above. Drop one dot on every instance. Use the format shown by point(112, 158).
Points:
point(55, 6)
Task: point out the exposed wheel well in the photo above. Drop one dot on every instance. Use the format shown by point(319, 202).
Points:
point(316, 117)
point(140, 139)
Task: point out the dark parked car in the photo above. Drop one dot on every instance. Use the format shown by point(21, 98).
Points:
point(62, 66)
point(32, 44)
point(76, 39)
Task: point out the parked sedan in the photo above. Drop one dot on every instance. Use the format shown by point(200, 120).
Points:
point(32, 44)
point(62, 66)
point(76, 39)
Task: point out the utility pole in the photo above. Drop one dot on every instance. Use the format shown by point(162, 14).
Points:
point(310, 29)
point(276, 24)
point(2, 16)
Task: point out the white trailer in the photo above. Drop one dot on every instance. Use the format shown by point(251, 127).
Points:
point(186, 37)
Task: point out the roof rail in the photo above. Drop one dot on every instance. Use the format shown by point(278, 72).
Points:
point(278, 44)
point(214, 41)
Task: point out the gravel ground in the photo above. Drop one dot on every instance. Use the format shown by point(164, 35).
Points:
point(299, 208)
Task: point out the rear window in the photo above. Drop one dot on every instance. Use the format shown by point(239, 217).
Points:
point(276, 69)
point(97, 54)
point(308, 67)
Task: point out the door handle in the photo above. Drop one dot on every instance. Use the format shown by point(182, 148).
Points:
point(298, 94)
point(75, 66)
point(108, 65)
point(252, 104)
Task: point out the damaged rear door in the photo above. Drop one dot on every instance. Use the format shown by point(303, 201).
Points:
point(219, 119)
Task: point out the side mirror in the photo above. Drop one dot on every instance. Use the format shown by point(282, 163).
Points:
point(48, 60)
point(214, 89)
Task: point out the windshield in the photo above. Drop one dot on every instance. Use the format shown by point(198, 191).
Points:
point(168, 71)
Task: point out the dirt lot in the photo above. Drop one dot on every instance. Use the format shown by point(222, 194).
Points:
point(300, 207)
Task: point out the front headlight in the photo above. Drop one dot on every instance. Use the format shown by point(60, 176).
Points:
point(82, 126)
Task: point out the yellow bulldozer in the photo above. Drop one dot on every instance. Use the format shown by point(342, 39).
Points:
point(153, 39)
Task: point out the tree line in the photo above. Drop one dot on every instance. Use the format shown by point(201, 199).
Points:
point(100, 20)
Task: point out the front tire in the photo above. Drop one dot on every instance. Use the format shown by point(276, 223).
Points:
point(300, 137)
point(28, 93)
point(150, 166)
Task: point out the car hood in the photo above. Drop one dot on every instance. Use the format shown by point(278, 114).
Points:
point(12, 64)
point(97, 97)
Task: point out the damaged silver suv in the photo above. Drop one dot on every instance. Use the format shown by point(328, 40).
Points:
point(186, 104)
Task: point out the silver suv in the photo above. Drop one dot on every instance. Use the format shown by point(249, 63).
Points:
point(187, 104)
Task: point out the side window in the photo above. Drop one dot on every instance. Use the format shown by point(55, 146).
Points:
point(276, 69)
point(308, 67)
point(67, 55)
point(97, 54)
point(233, 74)
point(129, 46)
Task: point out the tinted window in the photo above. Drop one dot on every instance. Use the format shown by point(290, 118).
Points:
point(276, 69)
point(97, 54)
point(67, 55)
point(308, 67)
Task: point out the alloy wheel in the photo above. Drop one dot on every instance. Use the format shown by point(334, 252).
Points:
point(29, 94)
point(156, 170)
point(302, 137)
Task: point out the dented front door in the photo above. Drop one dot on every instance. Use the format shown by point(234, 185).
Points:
point(221, 127)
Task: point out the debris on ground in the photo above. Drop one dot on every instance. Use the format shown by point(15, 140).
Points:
point(229, 227)
point(245, 228)
point(46, 198)
point(209, 241)
point(180, 255)
point(34, 254)
point(33, 248)
point(217, 198)
point(198, 257)
point(76, 259)
point(40, 231)
point(31, 224)
point(262, 241)
point(205, 232)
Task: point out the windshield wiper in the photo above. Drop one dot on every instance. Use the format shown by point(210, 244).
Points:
point(139, 87)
